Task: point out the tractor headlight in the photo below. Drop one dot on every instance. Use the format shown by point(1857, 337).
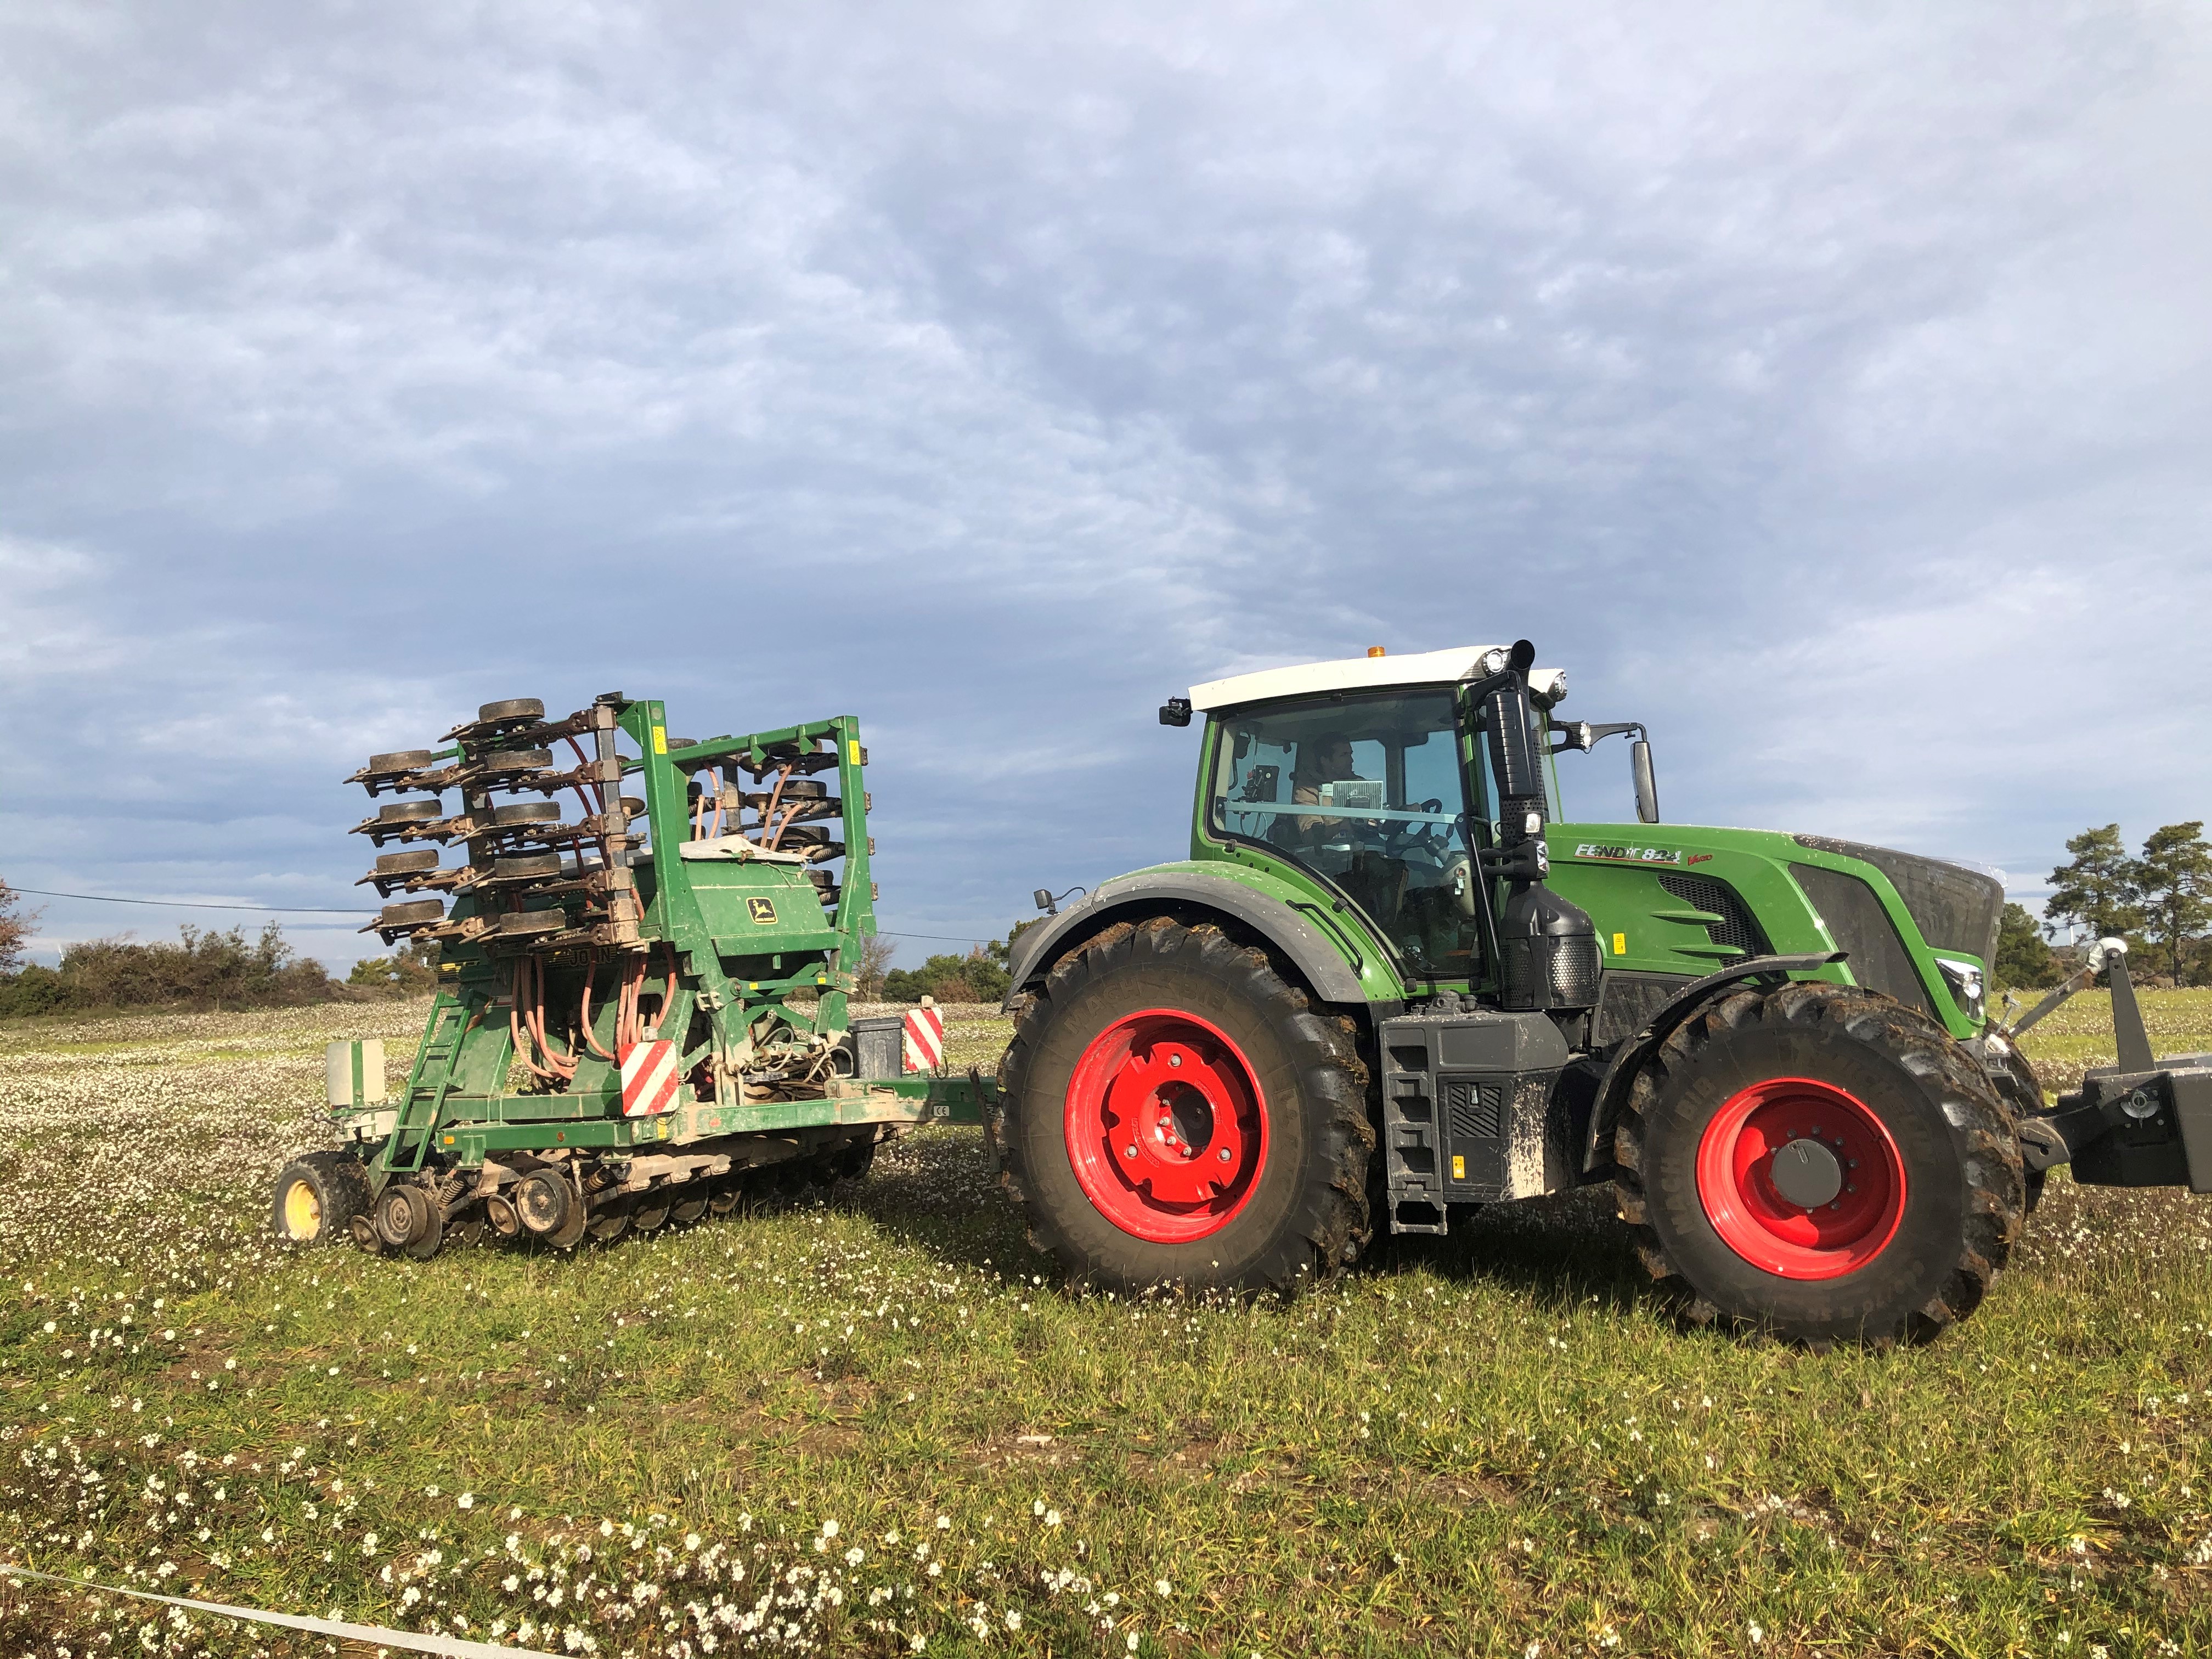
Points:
point(1966, 981)
point(1494, 661)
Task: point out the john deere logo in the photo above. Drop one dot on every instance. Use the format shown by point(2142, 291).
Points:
point(761, 911)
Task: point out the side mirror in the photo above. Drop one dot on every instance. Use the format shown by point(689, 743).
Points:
point(1647, 786)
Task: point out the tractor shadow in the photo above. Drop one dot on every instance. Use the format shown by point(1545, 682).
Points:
point(937, 1190)
point(1562, 1253)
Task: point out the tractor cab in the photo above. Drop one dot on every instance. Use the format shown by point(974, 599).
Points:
point(1367, 793)
point(1372, 777)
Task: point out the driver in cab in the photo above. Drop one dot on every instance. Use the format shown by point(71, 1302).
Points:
point(1324, 759)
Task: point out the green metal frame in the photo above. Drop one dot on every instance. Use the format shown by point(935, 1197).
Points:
point(741, 940)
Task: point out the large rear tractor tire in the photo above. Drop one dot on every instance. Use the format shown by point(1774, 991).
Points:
point(317, 1197)
point(1176, 1114)
point(1821, 1164)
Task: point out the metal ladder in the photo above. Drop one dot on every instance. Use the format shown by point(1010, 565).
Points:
point(428, 1084)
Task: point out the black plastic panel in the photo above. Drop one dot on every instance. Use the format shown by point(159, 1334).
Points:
point(1468, 1111)
point(1627, 1001)
point(1860, 925)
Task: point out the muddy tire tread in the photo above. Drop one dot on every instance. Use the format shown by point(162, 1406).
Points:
point(1982, 1124)
point(343, 1184)
point(1332, 1224)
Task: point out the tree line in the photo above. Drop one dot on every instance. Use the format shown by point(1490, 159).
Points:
point(202, 969)
point(2159, 901)
point(980, 976)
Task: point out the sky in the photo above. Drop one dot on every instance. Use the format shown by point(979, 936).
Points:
point(1825, 386)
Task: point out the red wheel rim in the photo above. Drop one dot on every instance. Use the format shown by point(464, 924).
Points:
point(1166, 1126)
point(1806, 1134)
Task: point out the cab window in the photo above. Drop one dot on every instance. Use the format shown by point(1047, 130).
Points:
point(1366, 793)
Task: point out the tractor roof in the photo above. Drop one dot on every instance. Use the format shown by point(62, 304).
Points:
point(1462, 662)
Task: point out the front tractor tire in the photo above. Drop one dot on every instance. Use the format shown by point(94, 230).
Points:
point(317, 1197)
point(1822, 1163)
point(1175, 1113)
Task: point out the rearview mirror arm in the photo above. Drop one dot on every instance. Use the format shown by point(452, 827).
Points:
point(1582, 735)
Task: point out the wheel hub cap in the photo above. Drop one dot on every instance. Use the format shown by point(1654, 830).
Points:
point(1807, 1173)
point(1165, 1126)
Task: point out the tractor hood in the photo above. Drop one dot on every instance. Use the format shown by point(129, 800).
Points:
point(1956, 909)
point(1674, 899)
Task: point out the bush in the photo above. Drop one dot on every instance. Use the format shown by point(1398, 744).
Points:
point(972, 978)
point(203, 969)
point(36, 990)
point(982, 975)
point(15, 929)
point(411, 971)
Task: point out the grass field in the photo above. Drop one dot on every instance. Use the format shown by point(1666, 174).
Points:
point(873, 1424)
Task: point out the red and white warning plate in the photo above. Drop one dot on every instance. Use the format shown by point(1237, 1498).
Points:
point(649, 1078)
point(924, 1048)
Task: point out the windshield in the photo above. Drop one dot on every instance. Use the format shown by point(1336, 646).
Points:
point(1365, 792)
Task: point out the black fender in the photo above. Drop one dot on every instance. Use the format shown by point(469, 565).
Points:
point(1629, 1057)
point(1181, 892)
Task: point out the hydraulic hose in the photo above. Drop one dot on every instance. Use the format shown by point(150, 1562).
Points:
point(772, 832)
point(517, 1029)
point(584, 1021)
point(594, 804)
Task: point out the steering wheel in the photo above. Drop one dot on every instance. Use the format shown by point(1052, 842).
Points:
point(1404, 837)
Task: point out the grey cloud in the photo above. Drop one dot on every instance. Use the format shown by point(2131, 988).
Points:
point(1824, 386)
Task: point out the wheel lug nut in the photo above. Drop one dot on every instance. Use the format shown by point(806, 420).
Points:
point(1129, 1151)
point(1224, 1155)
point(1175, 1060)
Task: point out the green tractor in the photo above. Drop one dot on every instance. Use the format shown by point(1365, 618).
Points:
point(1388, 985)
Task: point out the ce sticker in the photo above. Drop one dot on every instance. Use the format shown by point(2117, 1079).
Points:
point(761, 911)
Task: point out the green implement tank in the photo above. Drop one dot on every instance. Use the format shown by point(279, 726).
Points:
point(641, 1006)
point(1390, 983)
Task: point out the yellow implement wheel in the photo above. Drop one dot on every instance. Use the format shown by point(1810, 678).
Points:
point(303, 1212)
point(316, 1198)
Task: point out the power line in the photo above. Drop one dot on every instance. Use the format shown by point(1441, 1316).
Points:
point(183, 904)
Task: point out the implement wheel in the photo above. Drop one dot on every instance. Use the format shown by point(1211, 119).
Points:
point(317, 1197)
point(1178, 1114)
point(408, 1218)
point(1820, 1163)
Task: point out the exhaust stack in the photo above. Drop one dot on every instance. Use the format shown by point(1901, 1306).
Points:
point(1550, 960)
